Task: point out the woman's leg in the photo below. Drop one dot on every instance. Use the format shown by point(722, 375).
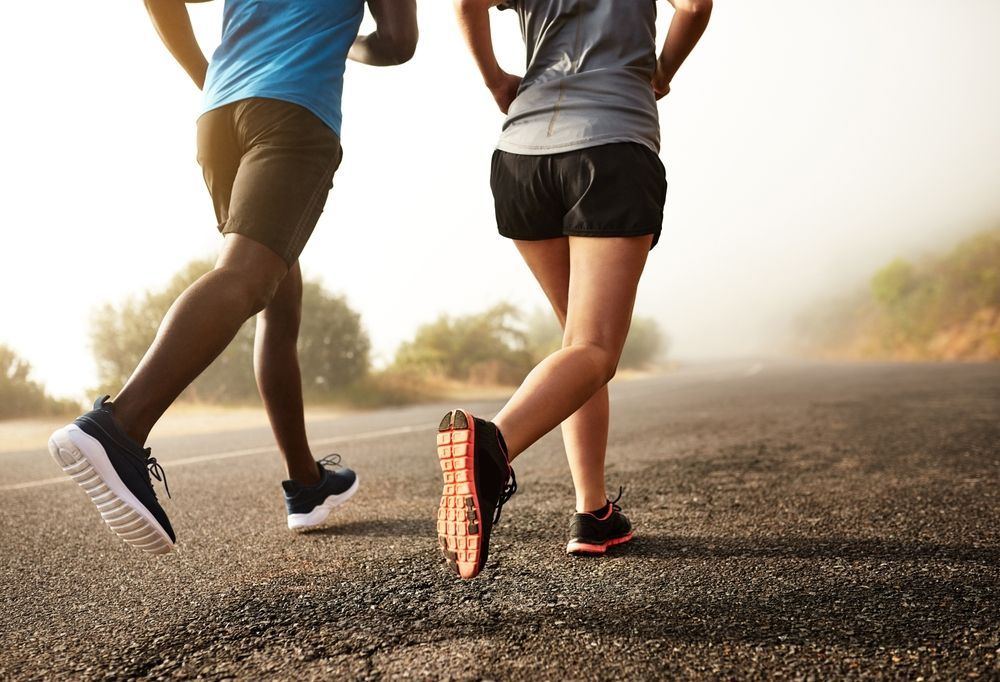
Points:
point(585, 432)
point(604, 276)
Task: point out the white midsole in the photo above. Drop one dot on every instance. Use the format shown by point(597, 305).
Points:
point(83, 458)
point(318, 515)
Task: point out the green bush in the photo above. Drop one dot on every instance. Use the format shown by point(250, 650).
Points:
point(645, 344)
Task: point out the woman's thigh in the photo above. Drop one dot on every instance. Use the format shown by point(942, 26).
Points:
point(604, 276)
point(548, 261)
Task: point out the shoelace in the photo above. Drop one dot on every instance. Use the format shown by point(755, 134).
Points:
point(614, 503)
point(508, 492)
point(156, 470)
point(330, 460)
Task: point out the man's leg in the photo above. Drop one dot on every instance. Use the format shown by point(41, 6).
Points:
point(102, 449)
point(197, 328)
point(279, 379)
point(585, 432)
point(313, 490)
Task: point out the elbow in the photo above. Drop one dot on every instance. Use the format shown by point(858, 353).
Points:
point(405, 45)
point(700, 8)
point(470, 6)
point(398, 47)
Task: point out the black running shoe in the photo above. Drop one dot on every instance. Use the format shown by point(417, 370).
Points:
point(115, 471)
point(593, 532)
point(477, 482)
point(309, 505)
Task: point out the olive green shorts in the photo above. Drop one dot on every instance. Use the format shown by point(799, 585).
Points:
point(269, 167)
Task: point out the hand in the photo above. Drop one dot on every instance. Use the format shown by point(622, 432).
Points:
point(505, 90)
point(660, 83)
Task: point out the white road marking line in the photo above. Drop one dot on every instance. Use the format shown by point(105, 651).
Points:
point(367, 435)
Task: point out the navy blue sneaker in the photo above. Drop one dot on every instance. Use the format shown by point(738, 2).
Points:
point(478, 481)
point(115, 472)
point(310, 505)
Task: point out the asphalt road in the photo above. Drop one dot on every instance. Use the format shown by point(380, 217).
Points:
point(796, 521)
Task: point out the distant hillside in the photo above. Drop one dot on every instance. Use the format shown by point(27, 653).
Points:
point(945, 307)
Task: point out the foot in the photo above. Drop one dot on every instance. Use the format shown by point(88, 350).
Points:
point(309, 506)
point(593, 532)
point(115, 472)
point(476, 475)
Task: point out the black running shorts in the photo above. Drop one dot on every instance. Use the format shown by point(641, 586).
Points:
point(614, 190)
point(269, 166)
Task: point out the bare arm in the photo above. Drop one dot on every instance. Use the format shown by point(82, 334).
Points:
point(173, 23)
point(686, 28)
point(395, 38)
point(474, 22)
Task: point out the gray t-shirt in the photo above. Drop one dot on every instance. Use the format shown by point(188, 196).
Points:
point(590, 63)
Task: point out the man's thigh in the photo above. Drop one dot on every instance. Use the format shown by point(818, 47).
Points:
point(287, 161)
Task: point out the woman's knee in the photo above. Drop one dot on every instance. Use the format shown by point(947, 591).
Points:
point(602, 357)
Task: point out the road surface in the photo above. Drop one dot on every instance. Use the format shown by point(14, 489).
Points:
point(796, 520)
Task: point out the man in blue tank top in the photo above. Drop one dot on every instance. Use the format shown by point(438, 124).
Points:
point(268, 145)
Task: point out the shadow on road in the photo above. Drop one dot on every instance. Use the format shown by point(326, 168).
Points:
point(797, 547)
point(379, 528)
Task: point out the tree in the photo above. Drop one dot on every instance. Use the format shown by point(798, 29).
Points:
point(333, 346)
point(22, 397)
point(486, 348)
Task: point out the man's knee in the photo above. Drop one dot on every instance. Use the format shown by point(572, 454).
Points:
point(254, 289)
point(282, 316)
point(259, 295)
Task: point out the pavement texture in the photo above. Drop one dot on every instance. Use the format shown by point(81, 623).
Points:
point(792, 521)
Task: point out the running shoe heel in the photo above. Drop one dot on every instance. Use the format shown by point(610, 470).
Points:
point(458, 528)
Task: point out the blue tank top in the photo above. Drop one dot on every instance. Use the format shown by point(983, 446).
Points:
point(290, 50)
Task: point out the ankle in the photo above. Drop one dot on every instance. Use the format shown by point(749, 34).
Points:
point(591, 504)
point(304, 475)
point(127, 424)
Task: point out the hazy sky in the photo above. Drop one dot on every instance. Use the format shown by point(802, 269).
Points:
point(806, 143)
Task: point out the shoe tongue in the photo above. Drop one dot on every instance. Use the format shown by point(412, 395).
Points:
point(99, 403)
point(489, 436)
point(503, 445)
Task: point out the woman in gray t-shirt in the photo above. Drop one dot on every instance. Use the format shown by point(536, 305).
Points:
point(579, 187)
